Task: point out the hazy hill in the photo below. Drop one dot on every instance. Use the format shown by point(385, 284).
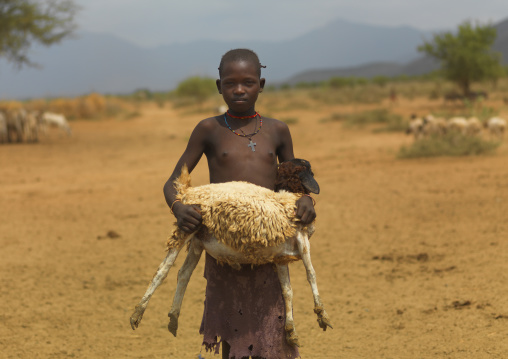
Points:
point(104, 63)
point(418, 66)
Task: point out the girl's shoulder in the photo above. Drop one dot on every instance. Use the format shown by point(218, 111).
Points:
point(208, 123)
point(275, 124)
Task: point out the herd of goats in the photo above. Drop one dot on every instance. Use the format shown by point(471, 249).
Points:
point(21, 125)
point(426, 126)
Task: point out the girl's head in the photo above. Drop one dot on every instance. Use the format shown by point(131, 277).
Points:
point(240, 80)
point(240, 55)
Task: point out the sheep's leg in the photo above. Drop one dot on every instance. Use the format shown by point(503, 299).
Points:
point(157, 280)
point(287, 294)
point(304, 248)
point(184, 274)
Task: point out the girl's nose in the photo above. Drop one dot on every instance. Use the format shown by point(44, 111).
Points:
point(239, 89)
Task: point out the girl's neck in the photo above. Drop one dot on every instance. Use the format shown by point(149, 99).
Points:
point(251, 113)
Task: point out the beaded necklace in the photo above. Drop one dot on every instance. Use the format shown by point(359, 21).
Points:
point(242, 117)
point(243, 134)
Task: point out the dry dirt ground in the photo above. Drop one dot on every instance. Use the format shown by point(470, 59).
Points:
point(411, 255)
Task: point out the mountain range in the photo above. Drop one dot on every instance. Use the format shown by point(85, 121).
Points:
point(107, 64)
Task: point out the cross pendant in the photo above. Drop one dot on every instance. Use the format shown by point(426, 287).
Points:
point(251, 145)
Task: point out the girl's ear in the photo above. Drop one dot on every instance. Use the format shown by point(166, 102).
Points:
point(261, 84)
point(217, 83)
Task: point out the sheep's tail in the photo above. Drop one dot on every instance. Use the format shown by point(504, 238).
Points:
point(183, 181)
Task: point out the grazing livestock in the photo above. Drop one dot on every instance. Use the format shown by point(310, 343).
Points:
point(51, 119)
point(31, 127)
point(433, 126)
point(16, 124)
point(458, 125)
point(474, 126)
point(496, 127)
point(3, 127)
point(415, 127)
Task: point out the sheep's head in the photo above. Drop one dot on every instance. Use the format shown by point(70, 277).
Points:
point(296, 176)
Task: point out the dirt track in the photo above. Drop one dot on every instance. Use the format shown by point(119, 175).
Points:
point(411, 255)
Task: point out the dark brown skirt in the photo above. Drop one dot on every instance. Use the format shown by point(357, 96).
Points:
point(245, 308)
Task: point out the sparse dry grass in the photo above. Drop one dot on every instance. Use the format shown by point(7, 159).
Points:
point(452, 144)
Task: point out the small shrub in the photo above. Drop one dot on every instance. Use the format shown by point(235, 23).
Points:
point(197, 87)
point(448, 145)
point(395, 124)
point(335, 117)
point(381, 115)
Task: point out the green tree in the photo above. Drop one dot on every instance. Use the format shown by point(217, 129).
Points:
point(466, 56)
point(24, 22)
point(380, 80)
point(197, 87)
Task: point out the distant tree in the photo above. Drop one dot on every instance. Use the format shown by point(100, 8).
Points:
point(380, 80)
point(24, 22)
point(197, 87)
point(338, 82)
point(466, 56)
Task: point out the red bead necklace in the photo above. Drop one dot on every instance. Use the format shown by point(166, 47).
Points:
point(242, 117)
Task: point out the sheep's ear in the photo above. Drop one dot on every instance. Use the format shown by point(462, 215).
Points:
point(309, 182)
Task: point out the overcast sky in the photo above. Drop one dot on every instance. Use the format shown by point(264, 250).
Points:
point(156, 22)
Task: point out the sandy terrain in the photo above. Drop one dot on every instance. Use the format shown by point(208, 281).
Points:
point(411, 255)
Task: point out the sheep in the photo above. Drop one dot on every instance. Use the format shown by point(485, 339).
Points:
point(458, 124)
point(415, 127)
point(31, 127)
point(15, 124)
point(474, 126)
point(243, 224)
point(433, 126)
point(496, 126)
point(3, 127)
point(55, 120)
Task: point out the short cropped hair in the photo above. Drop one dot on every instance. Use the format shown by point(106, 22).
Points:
point(240, 55)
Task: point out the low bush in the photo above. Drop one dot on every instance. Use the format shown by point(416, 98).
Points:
point(448, 145)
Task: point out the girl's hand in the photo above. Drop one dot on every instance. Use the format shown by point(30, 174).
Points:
point(305, 210)
point(188, 217)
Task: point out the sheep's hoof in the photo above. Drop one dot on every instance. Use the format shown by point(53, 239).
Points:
point(323, 318)
point(173, 323)
point(291, 336)
point(137, 316)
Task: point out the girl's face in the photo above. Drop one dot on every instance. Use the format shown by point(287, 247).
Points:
point(240, 85)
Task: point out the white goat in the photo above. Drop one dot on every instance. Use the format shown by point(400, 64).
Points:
point(3, 127)
point(433, 126)
point(15, 124)
point(31, 127)
point(496, 126)
point(247, 224)
point(415, 127)
point(458, 124)
point(55, 120)
point(474, 126)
